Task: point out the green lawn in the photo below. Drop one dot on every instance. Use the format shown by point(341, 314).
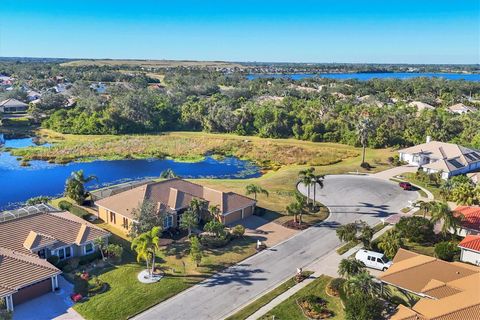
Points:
point(289, 310)
point(264, 300)
point(127, 296)
point(410, 177)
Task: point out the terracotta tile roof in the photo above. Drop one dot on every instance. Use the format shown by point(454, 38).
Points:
point(452, 289)
point(18, 270)
point(471, 216)
point(174, 193)
point(471, 242)
point(37, 241)
point(61, 226)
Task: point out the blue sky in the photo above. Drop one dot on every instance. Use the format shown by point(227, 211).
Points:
point(386, 31)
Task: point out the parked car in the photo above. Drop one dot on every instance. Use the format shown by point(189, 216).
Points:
point(405, 185)
point(374, 260)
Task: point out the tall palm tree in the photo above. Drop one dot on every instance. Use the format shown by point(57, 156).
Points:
point(390, 242)
point(255, 189)
point(347, 232)
point(362, 283)
point(441, 212)
point(364, 129)
point(350, 267)
point(75, 186)
point(317, 179)
point(146, 246)
point(197, 207)
point(306, 178)
point(101, 244)
point(168, 174)
point(425, 206)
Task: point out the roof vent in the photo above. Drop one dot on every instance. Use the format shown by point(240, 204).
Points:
point(429, 138)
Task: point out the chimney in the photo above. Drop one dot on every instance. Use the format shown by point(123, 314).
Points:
point(429, 138)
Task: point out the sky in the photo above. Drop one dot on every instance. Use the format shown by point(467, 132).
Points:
point(351, 31)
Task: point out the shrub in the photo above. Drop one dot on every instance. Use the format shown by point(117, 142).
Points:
point(64, 205)
point(215, 227)
point(73, 263)
point(366, 165)
point(416, 229)
point(54, 260)
point(214, 242)
point(37, 200)
point(83, 260)
point(238, 230)
point(115, 252)
point(80, 286)
point(446, 250)
point(335, 286)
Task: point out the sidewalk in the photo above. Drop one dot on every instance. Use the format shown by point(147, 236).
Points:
point(327, 265)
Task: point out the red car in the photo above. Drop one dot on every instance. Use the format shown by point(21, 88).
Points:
point(405, 185)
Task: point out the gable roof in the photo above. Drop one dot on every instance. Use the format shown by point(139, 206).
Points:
point(471, 216)
point(174, 193)
point(52, 229)
point(12, 103)
point(421, 105)
point(471, 242)
point(460, 107)
point(449, 290)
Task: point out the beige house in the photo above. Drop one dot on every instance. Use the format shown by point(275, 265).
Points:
point(12, 106)
point(172, 196)
point(25, 244)
point(435, 156)
point(447, 290)
point(460, 108)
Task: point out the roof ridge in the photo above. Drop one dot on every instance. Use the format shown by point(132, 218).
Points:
point(473, 304)
point(415, 266)
point(27, 259)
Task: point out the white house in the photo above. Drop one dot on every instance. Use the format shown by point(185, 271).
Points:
point(470, 249)
point(460, 108)
point(435, 156)
point(13, 105)
point(33, 95)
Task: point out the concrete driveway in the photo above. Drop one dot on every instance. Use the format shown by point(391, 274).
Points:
point(55, 305)
point(270, 233)
point(349, 198)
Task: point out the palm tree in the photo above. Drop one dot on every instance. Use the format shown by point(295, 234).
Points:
point(146, 245)
point(390, 242)
point(441, 212)
point(168, 174)
point(75, 186)
point(362, 283)
point(425, 206)
point(317, 179)
point(347, 232)
point(366, 235)
point(197, 207)
point(350, 267)
point(100, 243)
point(364, 128)
point(463, 194)
point(306, 178)
point(294, 209)
point(214, 211)
point(255, 189)
point(188, 221)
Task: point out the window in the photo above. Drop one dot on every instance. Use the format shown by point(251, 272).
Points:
point(89, 248)
point(379, 260)
point(64, 253)
point(125, 223)
point(42, 254)
point(112, 217)
point(168, 221)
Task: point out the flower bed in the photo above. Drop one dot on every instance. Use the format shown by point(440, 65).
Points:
point(314, 307)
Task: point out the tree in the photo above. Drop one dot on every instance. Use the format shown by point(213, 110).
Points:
point(442, 213)
point(147, 216)
point(115, 251)
point(297, 208)
point(425, 206)
point(75, 186)
point(363, 307)
point(464, 194)
point(364, 129)
point(347, 232)
point(415, 228)
point(446, 250)
point(215, 227)
point(350, 267)
point(362, 283)
point(214, 211)
point(238, 230)
point(306, 177)
point(100, 243)
point(188, 221)
point(168, 174)
point(366, 235)
point(255, 189)
point(390, 242)
point(198, 207)
point(146, 245)
point(196, 252)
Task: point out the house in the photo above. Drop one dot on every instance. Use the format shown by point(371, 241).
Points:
point(172, 196)
point(420, 106)
point(33, 95)
point(435, 156)
point(6, 81)
point(460, 108)
point(470, 220)
point(470, 250)
point(98, 87)
point(26, 242)
point(447, 290)
point(13, 105)
point(474, 176)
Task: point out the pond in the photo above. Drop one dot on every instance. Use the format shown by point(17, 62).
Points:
point(369, 76)
point(18, 184)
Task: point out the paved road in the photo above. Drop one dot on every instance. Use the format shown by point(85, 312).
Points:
point(349, 198)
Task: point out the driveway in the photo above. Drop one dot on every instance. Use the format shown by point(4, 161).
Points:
point(54, 305)
point(270, 233)
point(349, 198)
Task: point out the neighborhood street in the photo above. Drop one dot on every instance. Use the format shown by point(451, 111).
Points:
point(348, 197)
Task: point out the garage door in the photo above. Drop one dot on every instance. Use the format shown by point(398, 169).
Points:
point(232, 217)
point(33, 291)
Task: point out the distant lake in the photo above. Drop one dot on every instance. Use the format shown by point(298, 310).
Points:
point(18, 184)
point(368, 76)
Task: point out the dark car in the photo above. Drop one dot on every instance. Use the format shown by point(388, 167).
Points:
point(405, 185)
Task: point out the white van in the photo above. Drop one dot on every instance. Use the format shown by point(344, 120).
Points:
point(373, 259)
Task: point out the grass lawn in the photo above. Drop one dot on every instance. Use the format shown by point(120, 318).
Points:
point(264, 300)
point(129, 296)
point(409, 176)
point(289, 310)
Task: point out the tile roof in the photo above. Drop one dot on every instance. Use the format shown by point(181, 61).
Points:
point(449, 290)
point(471, 216)
point(38, 229)
point(12, 103)
point(174, 193)
point(471, 242)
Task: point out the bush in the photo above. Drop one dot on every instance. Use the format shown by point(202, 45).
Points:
point(214, 242)
point(115, 252)
point(80, 285)
point(238, 230)
point(366, 165)
point(446, 250)
point(37, 200)
point(54, 260)
point(64, 205)
point(362, 307)
point(83, 260)
point(416, 229)
point(73, 263)
point(335, 286)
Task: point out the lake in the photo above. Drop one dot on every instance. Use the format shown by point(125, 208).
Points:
point(369, 76)
point(18, 184)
